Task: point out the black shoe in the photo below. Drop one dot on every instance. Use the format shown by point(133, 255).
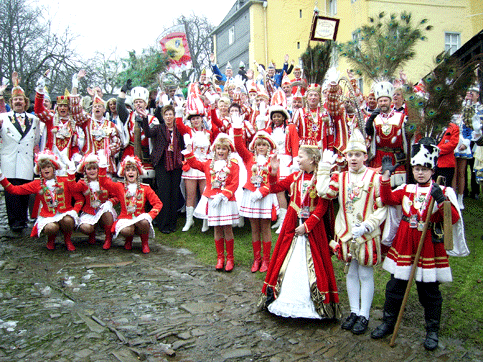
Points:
point(431, 341)
point(361, 325)
point(17, 229)
point(349, 322)
point(382, 330)
point(166, 231)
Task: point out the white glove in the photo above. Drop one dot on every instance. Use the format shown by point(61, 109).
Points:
point(71, 167)
point(211, 98)
point(40, 86)
point(216, 200)
point(255, 196)
point(75, 81)
point(1, 175)
point(476, 124)
point(329, 156)
point(237, 121)
point(179, 111)
point(358, 231)
point(102, 159)
point(261, 122)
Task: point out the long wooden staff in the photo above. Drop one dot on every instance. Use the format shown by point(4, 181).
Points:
point(414, 267)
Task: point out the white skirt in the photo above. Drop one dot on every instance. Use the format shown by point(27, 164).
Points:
point(89, 219)
point(123, 223)
point(294, 299)
point(42, 221)
point(226, 213)
point(260, 209)
point(193, 174)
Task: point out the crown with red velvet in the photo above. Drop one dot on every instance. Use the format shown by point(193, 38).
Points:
point(314, 87)
point(47, 155)
point(309, 143)
point(64, 99)
point(88, 158)
point(130, 160)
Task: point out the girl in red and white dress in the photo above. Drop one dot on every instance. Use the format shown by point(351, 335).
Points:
point(133, 195)
point(222, 174)
point(287, 140)
point(257, 201)
point(200, 139)
point(99, 205)
point(54, 195)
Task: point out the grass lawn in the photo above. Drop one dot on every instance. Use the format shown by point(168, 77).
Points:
point(463, 298)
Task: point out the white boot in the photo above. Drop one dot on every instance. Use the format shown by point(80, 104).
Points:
point(189, 218)
point(281, 216)
point(460, 201)
point(205, 226)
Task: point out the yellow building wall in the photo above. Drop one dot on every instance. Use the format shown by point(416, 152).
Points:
point(476, 15)
point(279, 29)
point(258, 35)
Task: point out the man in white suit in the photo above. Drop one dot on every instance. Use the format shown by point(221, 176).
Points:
point(20, 133)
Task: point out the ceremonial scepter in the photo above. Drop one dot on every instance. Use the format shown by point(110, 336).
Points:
point(414, 267)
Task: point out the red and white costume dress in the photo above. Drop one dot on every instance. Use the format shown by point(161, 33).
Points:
point(97, 200)
point(300, 281)
point(54, 198)
point(100, 135)
point(201, 143)
point(287, 141)
point(61, 134)
point(257, 179)
point(433, 265)
point(359, 201)
point(221, 177)
point(389, 138)
point(132, 198)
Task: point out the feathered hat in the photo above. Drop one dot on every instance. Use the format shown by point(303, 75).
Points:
point(425, 153)
point(140, 93)
point(87, 158)
point(316, 62)
point(383, 89)
point(47, 155)
point(131, 160)
point(262, 135)
point(225, 140)
point(278, 104)
point(194, 106)
point(356, 142)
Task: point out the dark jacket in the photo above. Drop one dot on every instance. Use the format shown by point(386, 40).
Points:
point(160, 139)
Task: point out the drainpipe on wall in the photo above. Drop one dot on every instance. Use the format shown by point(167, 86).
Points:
point(265, 4)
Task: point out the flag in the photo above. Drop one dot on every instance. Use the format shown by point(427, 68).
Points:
point(174, 44)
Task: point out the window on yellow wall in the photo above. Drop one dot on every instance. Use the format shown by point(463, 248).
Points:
point(231, 35)
point(332, 7)
point(300, 13)
point(452, 42)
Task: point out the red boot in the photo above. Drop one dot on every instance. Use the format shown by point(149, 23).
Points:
point(257, 259)
point(128, 243)
point(230, 263)
point(145, 243)
point(92, 238)
point(68, 242)
point(108, 239)
point(51, 242)
point(267, 248)
point(220, 254)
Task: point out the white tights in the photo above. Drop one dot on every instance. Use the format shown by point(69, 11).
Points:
point(360, 288)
